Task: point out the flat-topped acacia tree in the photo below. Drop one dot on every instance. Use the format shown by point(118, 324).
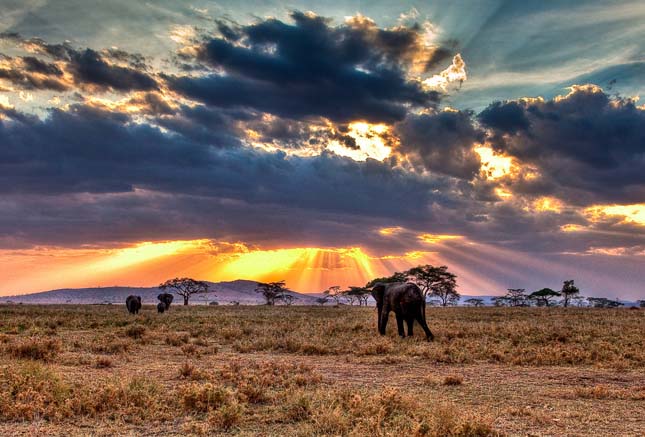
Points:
point(185, 287)
point(272, 291)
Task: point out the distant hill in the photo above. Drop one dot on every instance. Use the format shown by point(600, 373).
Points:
point(241, 291)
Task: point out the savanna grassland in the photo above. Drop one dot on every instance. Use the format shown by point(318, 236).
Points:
point(96, 370)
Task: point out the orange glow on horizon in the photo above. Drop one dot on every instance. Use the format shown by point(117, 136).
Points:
point(308, 269)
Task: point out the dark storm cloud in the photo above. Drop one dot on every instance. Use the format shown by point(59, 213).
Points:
point(507, 117)
point(587, 146)
point(37, 66)
point(311, 68)
point(88, 150)
point(87, 67)
point(30, 73)
point(442, 141)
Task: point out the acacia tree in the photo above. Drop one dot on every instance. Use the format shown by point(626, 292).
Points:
point(361, 294)
point(516, 297)
point(569, 291)
point(544, 297)
point(322, 300)
point(185, 287)
point(603, 302)
point(335, 293)
point(475, 302)
point(396, 277)
point(436, 281)
point(271, 291)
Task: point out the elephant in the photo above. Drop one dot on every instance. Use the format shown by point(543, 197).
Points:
point(133, 303)
point(407, 302)
point(166, 299)
point(161, 307)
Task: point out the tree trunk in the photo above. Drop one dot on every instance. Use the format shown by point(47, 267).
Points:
point(185, 300)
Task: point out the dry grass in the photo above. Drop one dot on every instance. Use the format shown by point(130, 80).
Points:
point(320, 371)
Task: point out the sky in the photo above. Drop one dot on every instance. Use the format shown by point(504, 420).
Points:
point(323, 143)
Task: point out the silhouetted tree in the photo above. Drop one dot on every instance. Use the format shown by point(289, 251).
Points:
point(544, 297)
point(361, 294)
point(185, 287)
point(322, 300)
point(578, 301)
point(516, 297)
point(396, 277)
point(603, 302)
point(475, 302)
point(569, 290)
point(436, 281)
point(271, 291)
point(641, 303)
point(335, 293)
point(288, 299)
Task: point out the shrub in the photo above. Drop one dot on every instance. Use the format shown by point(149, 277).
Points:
point(103, 363)
point(34, 349)
point(453, 380)
point(135, 331)
point(226, 417)
point(177, 339)
point(204, 397)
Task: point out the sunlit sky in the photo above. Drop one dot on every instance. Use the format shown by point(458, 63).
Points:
point(323, 143)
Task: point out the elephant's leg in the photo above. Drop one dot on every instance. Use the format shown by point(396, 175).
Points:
point(399, 324)
point(385, 313)
point(410, 321)
point(424, 325)
point(379, 309)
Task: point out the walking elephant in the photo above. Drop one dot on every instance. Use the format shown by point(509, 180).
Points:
point(407, 302)
point(133, 303)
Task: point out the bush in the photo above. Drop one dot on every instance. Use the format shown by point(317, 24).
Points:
point(34, 349)
point(453, 380)
point(135, 331)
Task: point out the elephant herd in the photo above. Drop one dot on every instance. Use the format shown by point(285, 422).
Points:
point(133, 303)
point(405, 299)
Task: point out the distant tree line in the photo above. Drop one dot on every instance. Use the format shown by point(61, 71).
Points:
point(568, 296)
point(438, 284)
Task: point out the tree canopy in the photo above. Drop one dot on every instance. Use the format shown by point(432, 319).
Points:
point(569, 291)
point(272, 291)
point(544, 297)
point(185, 287)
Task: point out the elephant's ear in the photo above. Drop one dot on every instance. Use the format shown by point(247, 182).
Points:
point(377, 292)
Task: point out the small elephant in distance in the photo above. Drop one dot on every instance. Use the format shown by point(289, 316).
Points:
point(166, 299)
point(407, 302)
point(133, 304)
point(161, 307)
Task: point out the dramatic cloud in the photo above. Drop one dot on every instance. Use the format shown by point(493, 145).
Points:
point(443, 142)
point(86, 67)
point(299, 131)
point(311, 68)
point(586, 146)
point(91, 150)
